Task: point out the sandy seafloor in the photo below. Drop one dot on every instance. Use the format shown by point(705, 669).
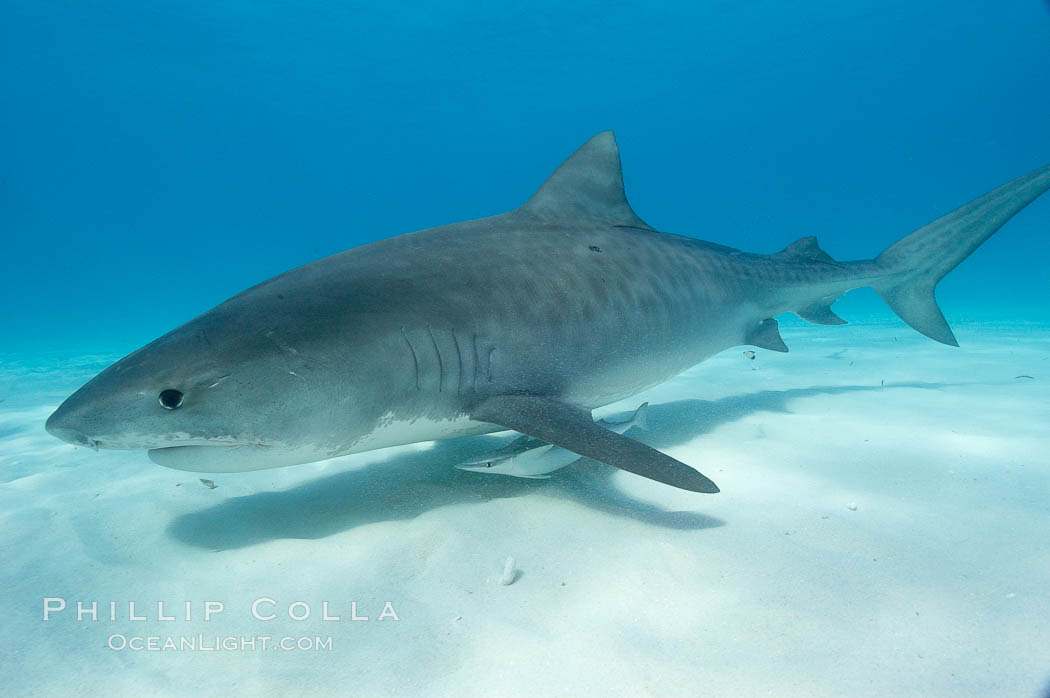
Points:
point(936, 583)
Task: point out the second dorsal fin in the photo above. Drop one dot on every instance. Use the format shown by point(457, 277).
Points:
point(589, 185)
point(805, 249)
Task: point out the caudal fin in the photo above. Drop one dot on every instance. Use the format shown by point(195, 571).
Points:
point(915, 264)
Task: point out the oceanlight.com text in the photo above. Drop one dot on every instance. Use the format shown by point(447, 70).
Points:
point(217, 643)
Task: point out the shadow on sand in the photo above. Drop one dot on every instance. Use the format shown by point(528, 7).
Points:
point(411, 484)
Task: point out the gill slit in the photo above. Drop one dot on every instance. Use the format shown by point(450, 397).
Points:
point(474, 342)
point(441, 364)
point(459, 361)
point(415, 360)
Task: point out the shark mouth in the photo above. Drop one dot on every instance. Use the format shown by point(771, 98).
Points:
point(219, 458)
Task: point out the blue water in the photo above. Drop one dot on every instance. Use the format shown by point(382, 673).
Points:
point(156, 158)
point(883, 518)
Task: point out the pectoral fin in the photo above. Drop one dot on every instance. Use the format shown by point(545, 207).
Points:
point(573, 429)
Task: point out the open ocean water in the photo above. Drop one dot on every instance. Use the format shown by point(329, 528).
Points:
point(884, 521)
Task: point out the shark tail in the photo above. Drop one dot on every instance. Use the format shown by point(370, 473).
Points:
point(911, 267)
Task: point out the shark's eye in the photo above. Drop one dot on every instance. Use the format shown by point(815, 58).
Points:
point(170, 399)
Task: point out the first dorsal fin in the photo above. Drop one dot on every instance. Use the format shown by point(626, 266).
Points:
point(806, 249)
point(587, 185)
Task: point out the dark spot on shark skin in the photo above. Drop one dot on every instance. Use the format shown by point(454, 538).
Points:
point(594, 248)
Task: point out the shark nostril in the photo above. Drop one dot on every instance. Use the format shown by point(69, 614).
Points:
point(61, 425)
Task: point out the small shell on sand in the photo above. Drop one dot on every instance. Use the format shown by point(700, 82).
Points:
point(852, 506)
point(510, 574)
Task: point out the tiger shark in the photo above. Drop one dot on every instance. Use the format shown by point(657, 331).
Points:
point(524, 321)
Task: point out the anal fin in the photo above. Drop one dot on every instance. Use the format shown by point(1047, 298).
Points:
point(573, 429)
point(820, 313)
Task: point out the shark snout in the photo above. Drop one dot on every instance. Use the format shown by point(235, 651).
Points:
point(62, 425)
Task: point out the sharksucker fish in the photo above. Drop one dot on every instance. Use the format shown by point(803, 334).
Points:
point(532, 458)
point(579, 304)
